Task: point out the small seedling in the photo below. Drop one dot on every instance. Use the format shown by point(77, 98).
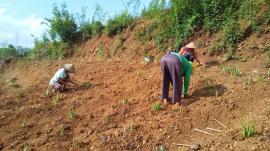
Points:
point(71, 113)
point(26, 147)
point(74, 143)
point(62, 131)
point(217, 93)
point(19, 92)
point(248, 129)
point(23, 125)
point(55, 99)
point(249, 80)
point(125, 101)
point(161, 148)
point(156, 106)
point(232, 70)
point(47, 92)
point(181, 148)
point(182, 109)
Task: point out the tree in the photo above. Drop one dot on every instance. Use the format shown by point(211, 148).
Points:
point(62, 25)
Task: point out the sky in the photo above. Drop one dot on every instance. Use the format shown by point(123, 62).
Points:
point(20, 20)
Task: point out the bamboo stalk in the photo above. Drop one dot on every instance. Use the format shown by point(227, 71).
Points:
point(221, 124)
point(204, 132)
point(213, 129)
point(182, 145)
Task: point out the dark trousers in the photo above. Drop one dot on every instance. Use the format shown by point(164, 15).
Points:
point(171, 70)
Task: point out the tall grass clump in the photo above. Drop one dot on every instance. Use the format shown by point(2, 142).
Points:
point(248, 129)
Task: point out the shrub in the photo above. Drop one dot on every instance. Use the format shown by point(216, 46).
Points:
point(118, 23)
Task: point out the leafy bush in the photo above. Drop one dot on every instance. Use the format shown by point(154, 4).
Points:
point(118, 23)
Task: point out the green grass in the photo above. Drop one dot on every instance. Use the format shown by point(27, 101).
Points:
point(156, 106)
point(234, 71)
point(248, 129)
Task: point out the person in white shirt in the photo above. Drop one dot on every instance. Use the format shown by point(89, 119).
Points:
point(61, 78)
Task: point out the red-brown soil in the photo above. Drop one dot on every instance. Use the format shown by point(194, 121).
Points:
point(103, 121)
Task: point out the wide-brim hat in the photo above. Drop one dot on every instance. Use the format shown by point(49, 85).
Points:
point(70, 68)
point(191, 45)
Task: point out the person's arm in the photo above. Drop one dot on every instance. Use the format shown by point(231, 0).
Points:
point(73, 82)
point(61, 81)
point(196, 58)
point(182, 51)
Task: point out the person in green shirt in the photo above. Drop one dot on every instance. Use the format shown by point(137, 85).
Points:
point(173, 67)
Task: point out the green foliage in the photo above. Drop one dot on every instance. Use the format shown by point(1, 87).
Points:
point(8, 51)
point(249, 9)
point(62, 26)
point(154, 9)
point(156, 106)
point(44, 48)
point(97, 28)
point(216, 12)
point(86, 31)
point(230, 36)
point(248, 129)
point(118, 23)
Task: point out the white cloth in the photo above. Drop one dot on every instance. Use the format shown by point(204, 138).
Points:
point(59, 74)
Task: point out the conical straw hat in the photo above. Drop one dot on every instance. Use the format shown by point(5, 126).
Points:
point(191, 45)
point(70, 68)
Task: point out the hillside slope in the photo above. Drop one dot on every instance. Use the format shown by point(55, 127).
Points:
point(113, 104)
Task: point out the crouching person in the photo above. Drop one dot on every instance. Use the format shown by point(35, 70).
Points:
point(61, 78)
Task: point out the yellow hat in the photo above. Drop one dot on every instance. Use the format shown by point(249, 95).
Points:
point(191, 45)
point(70, 68)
